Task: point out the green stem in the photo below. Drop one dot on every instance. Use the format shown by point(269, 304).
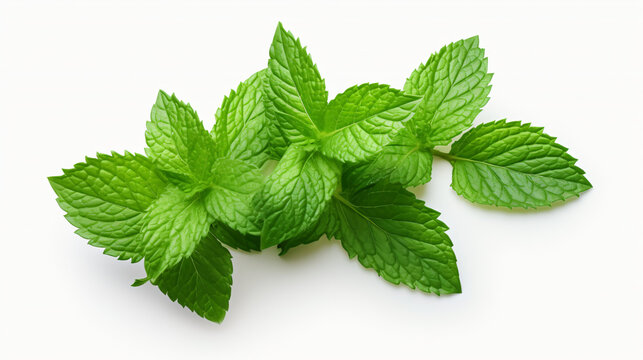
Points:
point(444, 155)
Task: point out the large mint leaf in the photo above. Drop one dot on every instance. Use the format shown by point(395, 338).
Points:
point(172, 227)
point(106, 197)
point(229, 199)
point(455, 85)
point(201, 282)
point(514, 165)
point(295, 194)
point(360, 121)
point(403, 161)
point(294, 88)
point(177, 141)
point(241, 131)
point(392, 232)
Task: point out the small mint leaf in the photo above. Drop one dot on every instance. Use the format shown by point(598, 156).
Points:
point(455, 85)
point(177, 141)
point(294, 88)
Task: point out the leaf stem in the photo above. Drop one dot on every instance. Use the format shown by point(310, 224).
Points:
point(444, 155)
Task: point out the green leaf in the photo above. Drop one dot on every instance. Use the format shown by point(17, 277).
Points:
point(360, 121)
point(241, 131)
point(294, 88)
point(392, 232)
point(295, 194)
point(455, 86)
point(177, 141)
point(325, 225)
point(403, 161)
point(235, 239)
point(230, 197)
point(514, 165)
point(172, 227)
point(201, 282)
point(106, 197)
point(278, 141)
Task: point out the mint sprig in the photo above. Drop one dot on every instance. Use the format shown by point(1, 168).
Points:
point(317, 138)
point(342, 169)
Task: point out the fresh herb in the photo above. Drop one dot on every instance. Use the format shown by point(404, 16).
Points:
point(343, 169)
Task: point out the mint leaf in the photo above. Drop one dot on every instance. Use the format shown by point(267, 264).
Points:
point(359, 121)
point(201, 282)
point(172, 227)
point(233, 185)
point(295, 194)
point(514, 165)
point(294, 88)
point(106, 197)
point(278, 140)
point(392, 232)
point(455, 85)
point(241, 130)
point(325, 225)
point(403, 161)
point(177, 141)
point(235, 239)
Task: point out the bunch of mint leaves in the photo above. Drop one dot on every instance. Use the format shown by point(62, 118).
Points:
point(342, 170)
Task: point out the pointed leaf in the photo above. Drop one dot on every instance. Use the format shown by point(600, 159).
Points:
point(177, 141)
point(295, 89)
point(455, 86)
point(392, 232)
point(514, 165)
point(106, 197)
point(241, 131)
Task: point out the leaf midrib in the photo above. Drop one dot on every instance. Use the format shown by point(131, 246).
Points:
point(451, 157)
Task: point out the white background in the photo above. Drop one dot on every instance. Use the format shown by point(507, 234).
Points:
point(79, 78)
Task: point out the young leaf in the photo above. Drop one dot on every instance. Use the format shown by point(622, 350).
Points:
point(106, 197)
point(235, 239)
point(177, 141)
point(230, 197)
point(359, 121)
point(172, 227)
point(294, 88)
point(455, 85)
point(241, 130)
point(403, 161)
point(392, 232)
point(201, 282)
point(295, 194)
point(514, 165)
